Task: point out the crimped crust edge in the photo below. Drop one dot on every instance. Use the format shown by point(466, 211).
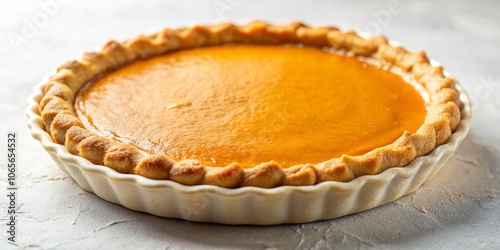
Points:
point(56, 107)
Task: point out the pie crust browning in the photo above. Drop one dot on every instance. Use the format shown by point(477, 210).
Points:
point(61, 122)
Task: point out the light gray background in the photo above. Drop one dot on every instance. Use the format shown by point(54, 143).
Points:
point(459, 208)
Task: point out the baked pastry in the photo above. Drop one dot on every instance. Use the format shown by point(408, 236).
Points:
point(253, 105)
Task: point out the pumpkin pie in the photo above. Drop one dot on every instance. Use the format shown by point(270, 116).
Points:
point(252, 105)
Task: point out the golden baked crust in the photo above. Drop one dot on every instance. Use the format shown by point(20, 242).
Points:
point(61, 122)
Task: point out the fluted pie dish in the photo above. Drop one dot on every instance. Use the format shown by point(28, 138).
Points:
point(251, 124)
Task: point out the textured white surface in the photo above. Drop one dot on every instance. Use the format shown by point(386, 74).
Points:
point(459, 208)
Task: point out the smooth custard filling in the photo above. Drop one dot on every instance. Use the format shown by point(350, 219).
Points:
point(252, 104)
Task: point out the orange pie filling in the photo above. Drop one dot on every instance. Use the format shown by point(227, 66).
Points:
point(252, 104)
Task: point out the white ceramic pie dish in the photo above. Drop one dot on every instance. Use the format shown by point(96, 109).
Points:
point(248, 205)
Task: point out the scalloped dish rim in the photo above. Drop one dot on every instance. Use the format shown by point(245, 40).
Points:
point(384, 178)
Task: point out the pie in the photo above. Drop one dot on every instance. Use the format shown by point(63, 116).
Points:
point(252, 105)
